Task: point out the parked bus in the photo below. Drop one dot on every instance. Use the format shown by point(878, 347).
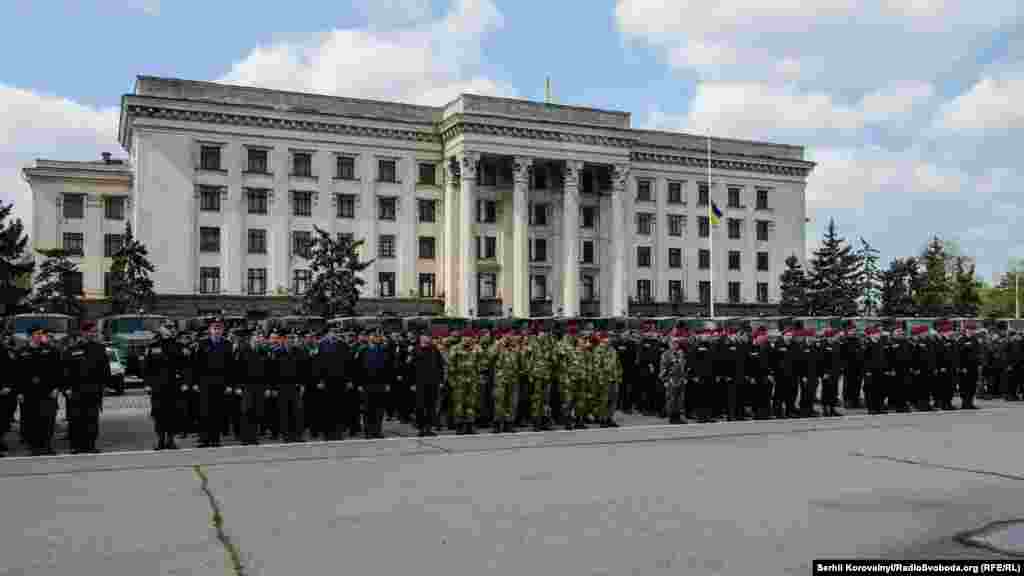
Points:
point(59, 326)
point(130, 334)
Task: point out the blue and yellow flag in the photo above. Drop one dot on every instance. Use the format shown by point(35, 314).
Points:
point(714, 214)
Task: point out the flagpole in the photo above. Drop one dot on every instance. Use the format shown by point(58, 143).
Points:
point(711, 236)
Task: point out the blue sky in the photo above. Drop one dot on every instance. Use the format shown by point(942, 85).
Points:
point(910, 108)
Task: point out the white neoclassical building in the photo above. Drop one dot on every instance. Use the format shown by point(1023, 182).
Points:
point(489, 204)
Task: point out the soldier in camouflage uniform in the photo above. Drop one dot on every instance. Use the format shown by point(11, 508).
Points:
point(508, 370)
point(464, 380)
point(673, 375)
point(541, 365)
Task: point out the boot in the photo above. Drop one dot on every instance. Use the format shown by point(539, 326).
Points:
point(496, 429)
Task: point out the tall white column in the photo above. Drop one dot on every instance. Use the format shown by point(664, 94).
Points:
point(620, 177)
point(570, 239)
point(450, 208)
point(520, 234)
point(468, 300)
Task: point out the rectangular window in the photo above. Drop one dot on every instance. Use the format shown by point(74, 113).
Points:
point(386, 283)
point(643, 191)
point(587, 254)
point(113, 207)
point(486, 247)
point(346, 205)
point(428, 210)
point(703, 226)
point(302, 243)
point(538, 287)
point(209, 198)
point(734, 292)
point(703, 194)
point(586, 181)
point(675, 192)
point(346, 238)
point(487, 211)
point(257, 161)
point(643, 290)
point(734, 197)
point(257, 282)
point(386, 246)
point(734, 260)
point(675, 290)
point(539, 214)
point(301, 279)
point(540, 177)
point(539, 250)
point(209, 239)
point(345, 168)
point(588, 218)
point(74, 206)
point(643, 256)
point(387, 208)
point(644, 223)
point(675, 257)
point(426, 285)
point(705, 292)
point(74, 243)
point(762, 292)
point(209, 158)
point(257, 241)
point(676, 224)
point(209, 280)
point(74, 282)
point(428, 174)
point(302, 203)
point(427, 247)
point(735, 225)
point(762, 261)
point(112, 244)
point(257, 201)
point(302, 164)
point(762, 199)
point(762, 230)
point(488, 285)
point(386, 171)
point(589, 292)
point(703, 259)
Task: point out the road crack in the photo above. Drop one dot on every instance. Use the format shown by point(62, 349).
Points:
point(233, 554)
point(926, 464)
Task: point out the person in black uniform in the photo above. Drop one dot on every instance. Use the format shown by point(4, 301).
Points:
point(8, 392)
point(277, 349)
point(832, 369)
point(89, 373)
point(290, 389)
point(736, 392)
point(969, 356)
point(334, 359)
point(810, 355)
point(377, 368)
point(160, 364)
point(784, 376)
point(853, 375)
point(875, 365)
point(896, 372)
point(759, 370)
point(251, 364)
point(213, 361)
point(42, 377)
point(429, 366)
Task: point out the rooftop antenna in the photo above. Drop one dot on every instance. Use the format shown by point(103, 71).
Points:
point(547, 90)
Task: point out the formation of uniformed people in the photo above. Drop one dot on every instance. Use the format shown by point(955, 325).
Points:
point(255, 386)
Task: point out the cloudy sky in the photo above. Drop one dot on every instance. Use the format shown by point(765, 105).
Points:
point(911, 108)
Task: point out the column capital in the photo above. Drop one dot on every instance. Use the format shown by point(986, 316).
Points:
point(522, 168)
point(452, 172)
point(571, 172)
point(469, 163)
point(620, 174)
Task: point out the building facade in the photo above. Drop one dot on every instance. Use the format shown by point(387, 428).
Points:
point(494, 206)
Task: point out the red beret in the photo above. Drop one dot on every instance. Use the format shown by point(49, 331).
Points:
point(88, 326)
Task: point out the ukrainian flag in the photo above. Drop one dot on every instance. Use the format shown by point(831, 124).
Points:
point(714, 214)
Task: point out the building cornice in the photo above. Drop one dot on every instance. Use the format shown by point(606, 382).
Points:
point(121, 173)
point(800, 168)
point(458, 125)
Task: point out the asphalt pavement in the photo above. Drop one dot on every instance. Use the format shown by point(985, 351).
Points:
point(764, 497)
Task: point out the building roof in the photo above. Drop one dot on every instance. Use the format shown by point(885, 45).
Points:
point(115, 169)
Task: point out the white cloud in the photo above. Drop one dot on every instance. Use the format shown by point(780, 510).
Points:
point(425, 63)
point(851, 45)
point(991, 104)
point(41, 126)
point(896, 100)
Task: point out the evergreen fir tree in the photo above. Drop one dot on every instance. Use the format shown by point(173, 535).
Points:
point(966, 288)
point(835, 276)
point(15, 263)
point(870, 279)
point(131, 288)
point(934, 295)
point(899, 284)
point(335, 268)
point(793, 285)
point(58, 288)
